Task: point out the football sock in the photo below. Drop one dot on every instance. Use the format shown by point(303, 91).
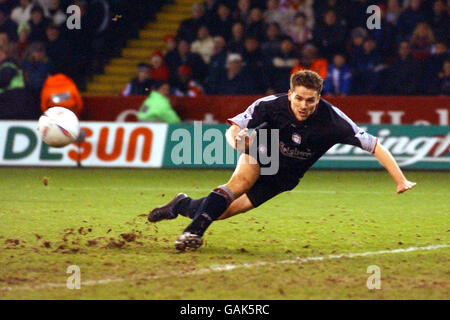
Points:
point(188, 207)
point(214, 205)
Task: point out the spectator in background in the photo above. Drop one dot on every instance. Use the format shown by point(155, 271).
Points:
point(57, 49)
point(257, 63)
point(60, 90)
point(339, 77)
point(242, 11)
point(444, 77)
point(157, 107)
point(56, 14)
point(8, 5)
point(170, 43)
point(23, 41)
point(218, 61)
point(204, 44)
point(275, 15)
point(38, 24)
point(36, 66)
point(36, 69)
point(221, 23)
point(22, 13)
point(366, 68)
point(329, 36)
point(272, 42)
point(409, 18)
point(14, 102)
point(421, 41)
point(255, 24)
point(183, 55)
point(7, 25)
point(81, 43)
point(404, 72)
point(189, 28)
point(185, 86)
point(393, 11)
point(310, 60)
point(283, 62)
point(440, 20)
point(385, 36)
point(433, 66)
point(236, 43)
point(355, 13)
point(11, 47)
point(158, 68)
point(358, 35)
point(219, 57)
point(299, 31)
point(293, 7)
point(236, 80)
point(142, 84)
point(210, 7)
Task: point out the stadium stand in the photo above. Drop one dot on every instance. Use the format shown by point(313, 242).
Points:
point(408, 55)
point(319, 30)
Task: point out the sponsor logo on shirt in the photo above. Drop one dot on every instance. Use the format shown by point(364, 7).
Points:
point(297, 138)
point(294, 152)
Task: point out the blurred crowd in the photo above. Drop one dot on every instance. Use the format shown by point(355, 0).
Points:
point(252, 46)
point(228, 47)
point(39, 38)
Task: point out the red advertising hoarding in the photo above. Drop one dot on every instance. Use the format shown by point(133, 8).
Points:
point(362, 109)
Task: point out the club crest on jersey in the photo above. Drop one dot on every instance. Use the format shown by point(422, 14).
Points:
point(296, 138)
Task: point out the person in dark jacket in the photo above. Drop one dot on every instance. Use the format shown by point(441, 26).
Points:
point(409, 18)
point(184, 56)
point(218, 61)
point(58, 50)
point(257, 63)
point(440, 20)
point(38, 24)
point(433, 67)
point(339, 77)
point(444, 79)
point(283, 61)
point(366, 68)
point(189, 28)
point(236, 80)
point(221, 23)
point(142, 84)
point(236, 42)
point(404, 73)
point(7, 25)
point(329, 35)
point(14, 101)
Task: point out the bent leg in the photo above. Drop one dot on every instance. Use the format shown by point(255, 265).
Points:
point(244, 176)
point(240, 205)
point(217, 202)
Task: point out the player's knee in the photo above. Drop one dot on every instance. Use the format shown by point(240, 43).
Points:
point(240, 185)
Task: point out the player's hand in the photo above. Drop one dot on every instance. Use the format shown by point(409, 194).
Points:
point(243, 140)
point(405, 186)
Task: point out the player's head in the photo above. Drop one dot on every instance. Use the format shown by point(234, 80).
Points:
point(304, 94)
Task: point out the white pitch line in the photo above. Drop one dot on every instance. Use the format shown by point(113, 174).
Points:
point(228, 267)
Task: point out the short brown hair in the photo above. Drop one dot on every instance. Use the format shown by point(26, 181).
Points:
point(308, 79)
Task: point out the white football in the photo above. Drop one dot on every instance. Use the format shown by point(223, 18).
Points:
point(59, 127)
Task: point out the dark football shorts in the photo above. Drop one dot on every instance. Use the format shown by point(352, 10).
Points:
point(267, 187)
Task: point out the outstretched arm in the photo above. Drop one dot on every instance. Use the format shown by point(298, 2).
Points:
point(387, 160)
point(238, 138)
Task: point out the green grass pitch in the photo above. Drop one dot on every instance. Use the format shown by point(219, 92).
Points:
point(96, 219)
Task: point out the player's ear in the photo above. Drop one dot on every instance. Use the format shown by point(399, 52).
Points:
point(289, 94)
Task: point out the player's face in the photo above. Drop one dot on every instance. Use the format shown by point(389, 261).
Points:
point(303, 102)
